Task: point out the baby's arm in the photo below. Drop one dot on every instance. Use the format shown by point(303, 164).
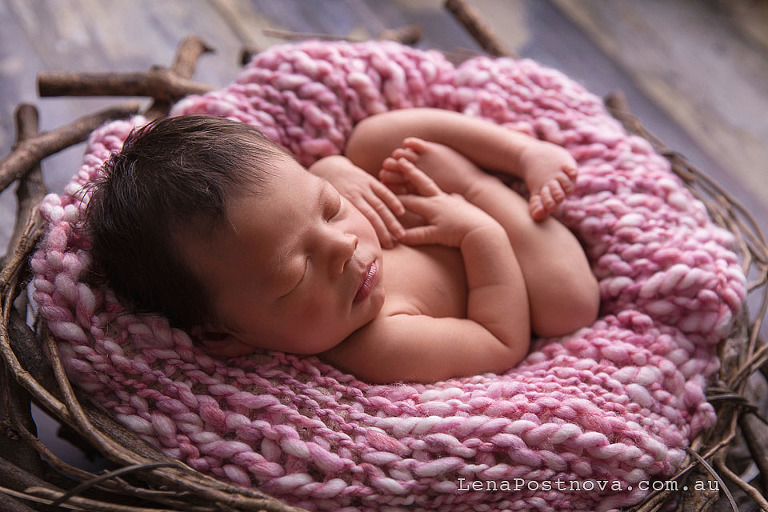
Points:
point(496, 333)
point(548, 170)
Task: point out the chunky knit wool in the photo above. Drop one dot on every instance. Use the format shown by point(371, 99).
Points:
point(583, 423)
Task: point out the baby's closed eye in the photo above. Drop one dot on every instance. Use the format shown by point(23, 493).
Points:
point(333, 203)
point(295, 276)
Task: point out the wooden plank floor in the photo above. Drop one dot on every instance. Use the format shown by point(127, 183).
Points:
point(695, 71)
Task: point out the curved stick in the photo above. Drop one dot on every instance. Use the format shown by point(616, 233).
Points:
point(29, 152)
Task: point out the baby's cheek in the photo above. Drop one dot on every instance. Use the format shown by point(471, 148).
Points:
point(315, 314)
point(310, 313)
point(322, 324)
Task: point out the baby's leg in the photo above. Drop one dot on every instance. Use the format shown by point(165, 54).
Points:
point(562, 290)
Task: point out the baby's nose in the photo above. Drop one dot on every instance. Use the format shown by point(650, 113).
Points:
point(344, 249)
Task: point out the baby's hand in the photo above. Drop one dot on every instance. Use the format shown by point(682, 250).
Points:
point(448, 217)
point(549, 171)
point(374, 200)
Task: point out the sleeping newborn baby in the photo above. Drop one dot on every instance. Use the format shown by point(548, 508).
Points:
point(402, 260)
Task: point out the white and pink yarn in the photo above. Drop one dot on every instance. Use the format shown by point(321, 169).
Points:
point(615, 403)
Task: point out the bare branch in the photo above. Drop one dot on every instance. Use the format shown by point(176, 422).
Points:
point(31, 188)
point(159, 83)
point(30, 152)
point(470, 18)
point(188, 53)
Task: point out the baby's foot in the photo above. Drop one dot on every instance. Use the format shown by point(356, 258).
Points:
point(549, 172)
point(452, 172)
point(548, 191)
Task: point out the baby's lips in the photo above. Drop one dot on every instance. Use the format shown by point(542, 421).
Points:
point(367, 282)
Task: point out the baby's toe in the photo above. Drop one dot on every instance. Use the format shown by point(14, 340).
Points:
point(572, 172)
point(566, 183)
point(416, 144)
point(406, 153)
point(557, 192)
point(393, 168)
point(548, 198)
point(538, 212)
point(389, 176)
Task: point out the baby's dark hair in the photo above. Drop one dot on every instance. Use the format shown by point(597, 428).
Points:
point(174, 172)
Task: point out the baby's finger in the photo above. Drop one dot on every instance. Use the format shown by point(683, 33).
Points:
point(389, 217)
point(391, 166)
point(416, 204)
point(392, 205)
point(382, 231)
point(419, 235)
point(401, 190)
point(424, 185)
point(388, 198)
point(390, 178)
point(396, 182)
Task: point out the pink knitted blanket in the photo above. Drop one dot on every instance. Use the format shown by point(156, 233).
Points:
point(584, 423)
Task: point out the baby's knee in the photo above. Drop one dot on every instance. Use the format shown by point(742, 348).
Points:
point(585, 303)
point(576, 306)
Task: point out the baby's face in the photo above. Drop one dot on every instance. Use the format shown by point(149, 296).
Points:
point(296, 269)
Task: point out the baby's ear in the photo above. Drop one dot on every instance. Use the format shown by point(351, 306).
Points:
point(220, 344)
